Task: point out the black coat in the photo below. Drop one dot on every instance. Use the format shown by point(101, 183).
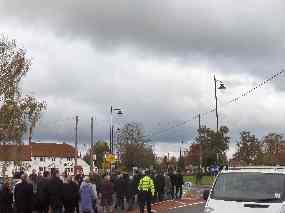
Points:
point(6, 200)
point(173, 179)
point(160, 182)
point(24, 197)
point(131, 188)
point(120, 187)
point(70, 194)
point(137, 179)
point(42, 193)
point(179, 180)
point(55, 192)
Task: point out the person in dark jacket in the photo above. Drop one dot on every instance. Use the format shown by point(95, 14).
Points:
point(55, 188)
point(120, 190)
point(173, 179)
point(96, 179)
point(137, 178)
point(23, 195)
point(131, 192)
point(70, 195)
point(107, 191)
point(179, 183)
point(42, 193)
point(6, 198)
point(160, 184)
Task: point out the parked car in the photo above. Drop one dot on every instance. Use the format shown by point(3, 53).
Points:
point(247, 190)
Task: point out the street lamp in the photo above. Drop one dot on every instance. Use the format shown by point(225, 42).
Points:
point(118, 111)
point(221, 87)
point(3, 46)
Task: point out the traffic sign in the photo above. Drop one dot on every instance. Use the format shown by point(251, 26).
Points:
point(110, 158)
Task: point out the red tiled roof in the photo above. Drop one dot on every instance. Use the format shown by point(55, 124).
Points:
point(15, 152)
point(52, 150)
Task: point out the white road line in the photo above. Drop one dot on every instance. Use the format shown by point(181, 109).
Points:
point(181, 203)
point(187, 205)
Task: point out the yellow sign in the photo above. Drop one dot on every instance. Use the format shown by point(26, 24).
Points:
point(110, 158)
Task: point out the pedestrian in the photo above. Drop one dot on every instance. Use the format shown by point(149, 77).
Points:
point(131, 192)
point(96, 179)
point(146, 192)
point(42, 193)
point(86, 196)
point(55, 193)
point(199, 176)
point(94, 188)
point(153, 177)
point(76, 180)
point(70, 195)
point(34, 180)
point(179, 184)
point(6, 198)
point(173, 184)
point(167, 186)
point(107, 191)
point(120, 189)
point(23, 195)
point(160, 185)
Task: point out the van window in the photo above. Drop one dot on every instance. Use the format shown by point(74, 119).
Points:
point(249, 186)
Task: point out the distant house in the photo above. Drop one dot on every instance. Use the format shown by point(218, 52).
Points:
point(41, 157)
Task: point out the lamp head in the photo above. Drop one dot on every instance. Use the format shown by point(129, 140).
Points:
point(222, 86)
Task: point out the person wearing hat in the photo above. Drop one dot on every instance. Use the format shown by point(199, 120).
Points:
point(146, 192)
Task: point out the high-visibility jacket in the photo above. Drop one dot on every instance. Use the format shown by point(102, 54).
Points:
point(146, 185)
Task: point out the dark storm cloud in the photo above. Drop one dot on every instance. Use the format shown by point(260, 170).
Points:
point(244, 31)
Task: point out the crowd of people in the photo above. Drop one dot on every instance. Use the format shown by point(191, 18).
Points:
point(93, 193)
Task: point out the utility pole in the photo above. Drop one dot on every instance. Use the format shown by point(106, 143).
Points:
point(111, 129)
point(91, 149)
point(180, 153)
point(216, 98)
point(112, 139)
point(76, 143)
point(200, 140)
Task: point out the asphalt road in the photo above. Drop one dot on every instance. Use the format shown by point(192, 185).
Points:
point(193, 209)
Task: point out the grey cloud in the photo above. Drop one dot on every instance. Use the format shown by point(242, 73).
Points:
point(244, 31)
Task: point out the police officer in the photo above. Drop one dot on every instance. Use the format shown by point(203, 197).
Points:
point(146, 192)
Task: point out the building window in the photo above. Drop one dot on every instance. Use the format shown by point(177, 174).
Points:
point(52, 159)
point(35, 158)
point(42, 159)
point(68, 159)
point(71, 169)
point(41, 169)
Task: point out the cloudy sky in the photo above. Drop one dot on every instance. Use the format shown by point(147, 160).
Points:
point(154, 59)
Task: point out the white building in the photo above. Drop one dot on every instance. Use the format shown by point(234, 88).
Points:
point(41, 157)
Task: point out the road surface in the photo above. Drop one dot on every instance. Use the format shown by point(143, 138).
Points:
point(189, 205)
point(191, 209)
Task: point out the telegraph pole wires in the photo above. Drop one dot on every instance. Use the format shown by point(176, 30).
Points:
point(76, 142)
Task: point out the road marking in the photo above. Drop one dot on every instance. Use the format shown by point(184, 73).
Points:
point(187, 205)
point(181, 203)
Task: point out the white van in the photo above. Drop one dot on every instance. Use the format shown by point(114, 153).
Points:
point(247, 190)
